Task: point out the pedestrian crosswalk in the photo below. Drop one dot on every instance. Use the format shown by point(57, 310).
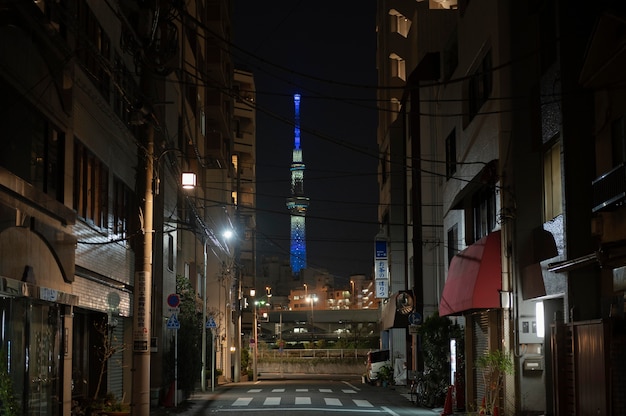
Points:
point(300, 397)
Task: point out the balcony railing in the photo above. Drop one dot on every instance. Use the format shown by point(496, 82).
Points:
point(609, 190)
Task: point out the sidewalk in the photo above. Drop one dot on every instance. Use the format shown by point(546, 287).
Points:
point(194, 405)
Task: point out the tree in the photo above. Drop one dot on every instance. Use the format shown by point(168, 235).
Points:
point(189, 337)
point(494, 365)
point(436, 333)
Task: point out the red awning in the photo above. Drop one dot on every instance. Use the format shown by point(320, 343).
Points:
point(474, 278)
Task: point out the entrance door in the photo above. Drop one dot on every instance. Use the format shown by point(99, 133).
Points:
point(42, 363)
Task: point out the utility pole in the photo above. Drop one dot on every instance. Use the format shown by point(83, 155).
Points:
point(142, 296)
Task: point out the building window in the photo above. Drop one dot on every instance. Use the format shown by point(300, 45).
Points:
point(47, 160)
point(91, 182)
point(451, 154)
point(484, 208)
point(94, 50)
point(453, 242)
point(123, 204)
point(33, 148)
point(618, 142)
point(552, 182)
point(170, 253)
point(399, 23)
point(480, 85)
point(397, 66)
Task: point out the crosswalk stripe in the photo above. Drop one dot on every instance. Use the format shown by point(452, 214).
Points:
point(255, 390)
point(302, 390)
point(332, 402)
point(271, 401)
point(242, 401)
point(303, 400)
point(326, 390)
point(278, 390)
point(362, 403)
point(349, 391)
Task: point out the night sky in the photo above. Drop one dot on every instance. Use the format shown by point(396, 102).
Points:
point(326, 52)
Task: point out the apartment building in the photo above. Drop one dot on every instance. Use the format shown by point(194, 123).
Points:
point(105, 106)
point(508, 140)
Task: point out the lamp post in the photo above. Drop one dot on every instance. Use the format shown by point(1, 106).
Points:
point(255, 336)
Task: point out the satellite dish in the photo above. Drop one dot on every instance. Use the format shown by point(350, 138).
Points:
point(405, 303)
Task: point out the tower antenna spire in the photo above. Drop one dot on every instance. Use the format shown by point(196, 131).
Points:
point(297, 203)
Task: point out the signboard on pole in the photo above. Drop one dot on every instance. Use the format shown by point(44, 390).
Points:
point(141, 325)
point(381, 269)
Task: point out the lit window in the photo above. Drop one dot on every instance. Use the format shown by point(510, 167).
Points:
point(399, 23)
point(397, 66)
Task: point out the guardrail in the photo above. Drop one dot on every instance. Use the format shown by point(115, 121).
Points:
point(312, 353)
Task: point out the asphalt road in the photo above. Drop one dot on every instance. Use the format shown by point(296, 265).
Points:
point(304, 396)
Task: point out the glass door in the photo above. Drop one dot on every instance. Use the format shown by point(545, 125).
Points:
point(42, 362)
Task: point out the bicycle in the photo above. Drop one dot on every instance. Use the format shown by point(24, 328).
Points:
point(427, 393)
point(416, 380)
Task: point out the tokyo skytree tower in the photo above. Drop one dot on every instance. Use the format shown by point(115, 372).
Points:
point(297, 203)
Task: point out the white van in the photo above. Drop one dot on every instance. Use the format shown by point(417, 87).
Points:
point(375, 360)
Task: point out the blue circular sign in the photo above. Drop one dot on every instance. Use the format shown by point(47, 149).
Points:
point(415, 318)
point(173, 300)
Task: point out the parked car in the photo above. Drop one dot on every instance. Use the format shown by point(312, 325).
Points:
point(375, 361)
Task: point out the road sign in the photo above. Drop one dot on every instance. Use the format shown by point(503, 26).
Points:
point(210, 323)
point(415, 318)
point(382, 289)
point(173, 322)
point(173, 300)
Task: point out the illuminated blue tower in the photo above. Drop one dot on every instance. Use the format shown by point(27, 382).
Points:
point(297, 203)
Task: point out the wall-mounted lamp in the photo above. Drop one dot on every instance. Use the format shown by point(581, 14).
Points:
point(188, 180)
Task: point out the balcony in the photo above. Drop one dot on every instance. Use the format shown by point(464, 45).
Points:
point(609, 190)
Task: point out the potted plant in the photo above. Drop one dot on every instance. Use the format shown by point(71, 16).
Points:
point(385, 374)
point(494, 366)
point(111, 406)
point(9, 406)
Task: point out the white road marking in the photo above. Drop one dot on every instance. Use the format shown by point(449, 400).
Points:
point(362, 403)
point(303, 400)
point(242, 401)
point(271, 401)
point(326, 390)
point(278, 390)
point(302, 390)
point(349, 391)
point(255, 390)
point(332, 402)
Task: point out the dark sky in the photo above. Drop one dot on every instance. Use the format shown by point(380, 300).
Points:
point(324, 50)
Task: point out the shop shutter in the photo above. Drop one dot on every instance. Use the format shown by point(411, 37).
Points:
point(480, 346)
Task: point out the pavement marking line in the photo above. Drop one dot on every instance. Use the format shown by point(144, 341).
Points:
point(302, 390)
point(388, 410)
point(255, 390)
point(278, 390)
point(271, 401)
point(242, 401)
point(326, 390)
point(347, 383)
point(348, 391)
point(362, 403)
point(303, 400)
point(332, 402)
point(359, 411)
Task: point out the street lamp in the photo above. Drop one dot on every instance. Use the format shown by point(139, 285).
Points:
point(255, 336)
